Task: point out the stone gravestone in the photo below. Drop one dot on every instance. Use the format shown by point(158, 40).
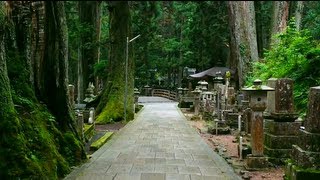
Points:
point(306, 151)
point(258, 103)
point(281, 129)
point(196, 104)
point(71, 95)
point(80, 122)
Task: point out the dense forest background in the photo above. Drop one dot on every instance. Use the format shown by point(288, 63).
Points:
point(47, 45)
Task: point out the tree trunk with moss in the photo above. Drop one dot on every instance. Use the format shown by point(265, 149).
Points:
point(10, 125)
point(111, 105)
point(89, 15)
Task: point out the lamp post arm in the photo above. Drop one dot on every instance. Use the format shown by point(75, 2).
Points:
point(134, 38)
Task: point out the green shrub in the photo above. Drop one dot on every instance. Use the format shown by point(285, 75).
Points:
point(295, 56)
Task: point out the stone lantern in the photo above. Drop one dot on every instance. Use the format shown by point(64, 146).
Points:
point(203, 85)
point(184, 91)
point(196, 93)
point(217, 81)
point(257, 103)
point(136, 97)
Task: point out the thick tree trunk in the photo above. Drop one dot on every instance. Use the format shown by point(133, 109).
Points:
point(111, 104)
point(12, 142)
point(89, 15)
point(54, 74)
point(243, 49)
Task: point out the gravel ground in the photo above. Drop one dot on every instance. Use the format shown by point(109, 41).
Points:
point(226, 146)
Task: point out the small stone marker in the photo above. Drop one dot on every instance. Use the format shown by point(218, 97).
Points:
point(71, 95)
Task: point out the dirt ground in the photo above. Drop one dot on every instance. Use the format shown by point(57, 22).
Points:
point(229, 147)
point(109, 127)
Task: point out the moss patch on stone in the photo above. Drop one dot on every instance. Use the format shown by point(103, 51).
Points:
point(101, 141)
point(88, 131)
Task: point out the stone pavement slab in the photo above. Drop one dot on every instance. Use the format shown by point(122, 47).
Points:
point(158, 145)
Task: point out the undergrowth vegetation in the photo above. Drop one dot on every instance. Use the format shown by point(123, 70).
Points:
point(294, 55)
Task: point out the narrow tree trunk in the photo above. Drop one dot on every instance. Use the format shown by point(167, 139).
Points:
point(89, 15)
point(298, 14)
point(37, 43)
point(180, 55)
point(251, 26)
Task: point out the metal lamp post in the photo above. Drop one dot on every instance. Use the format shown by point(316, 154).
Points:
point(126, 85)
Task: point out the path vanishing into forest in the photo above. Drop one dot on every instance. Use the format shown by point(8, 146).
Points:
point(159, 144)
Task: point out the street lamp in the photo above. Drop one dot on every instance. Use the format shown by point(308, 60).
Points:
point(126, 85)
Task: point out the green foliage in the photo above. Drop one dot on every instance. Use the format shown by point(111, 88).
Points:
point(100, 69)
point(311, 18)
point(295, 56)
point(175, 35)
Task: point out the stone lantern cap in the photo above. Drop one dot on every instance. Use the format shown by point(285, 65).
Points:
point(257, 86)
point(203, 82)
point(197, 91)
point(136, 91)
point(218, 76)
point(180, 88)
point(185, 89)
point(147, 86)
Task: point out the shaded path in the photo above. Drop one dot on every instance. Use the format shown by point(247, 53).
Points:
point(159, 144)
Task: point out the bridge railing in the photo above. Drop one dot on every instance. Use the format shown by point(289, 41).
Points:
point(172, 95)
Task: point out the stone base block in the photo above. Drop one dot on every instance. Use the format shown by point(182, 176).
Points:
point(309, 141)
point(232, 119)
point(282, 128)
point(304, 158)
point(256, 163)
point(284, 117)
point(293, 172)
point(277, 153)
point(279, 142)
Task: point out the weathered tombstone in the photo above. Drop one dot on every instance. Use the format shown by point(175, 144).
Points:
point(246, 117)
point(258, 103)
point(306, 151)
point(196, 93)
point(207, 104)
point(80, 124)
point(281, 129)
point(71, 95)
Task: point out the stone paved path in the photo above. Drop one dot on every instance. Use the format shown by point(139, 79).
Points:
point(158, 145)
